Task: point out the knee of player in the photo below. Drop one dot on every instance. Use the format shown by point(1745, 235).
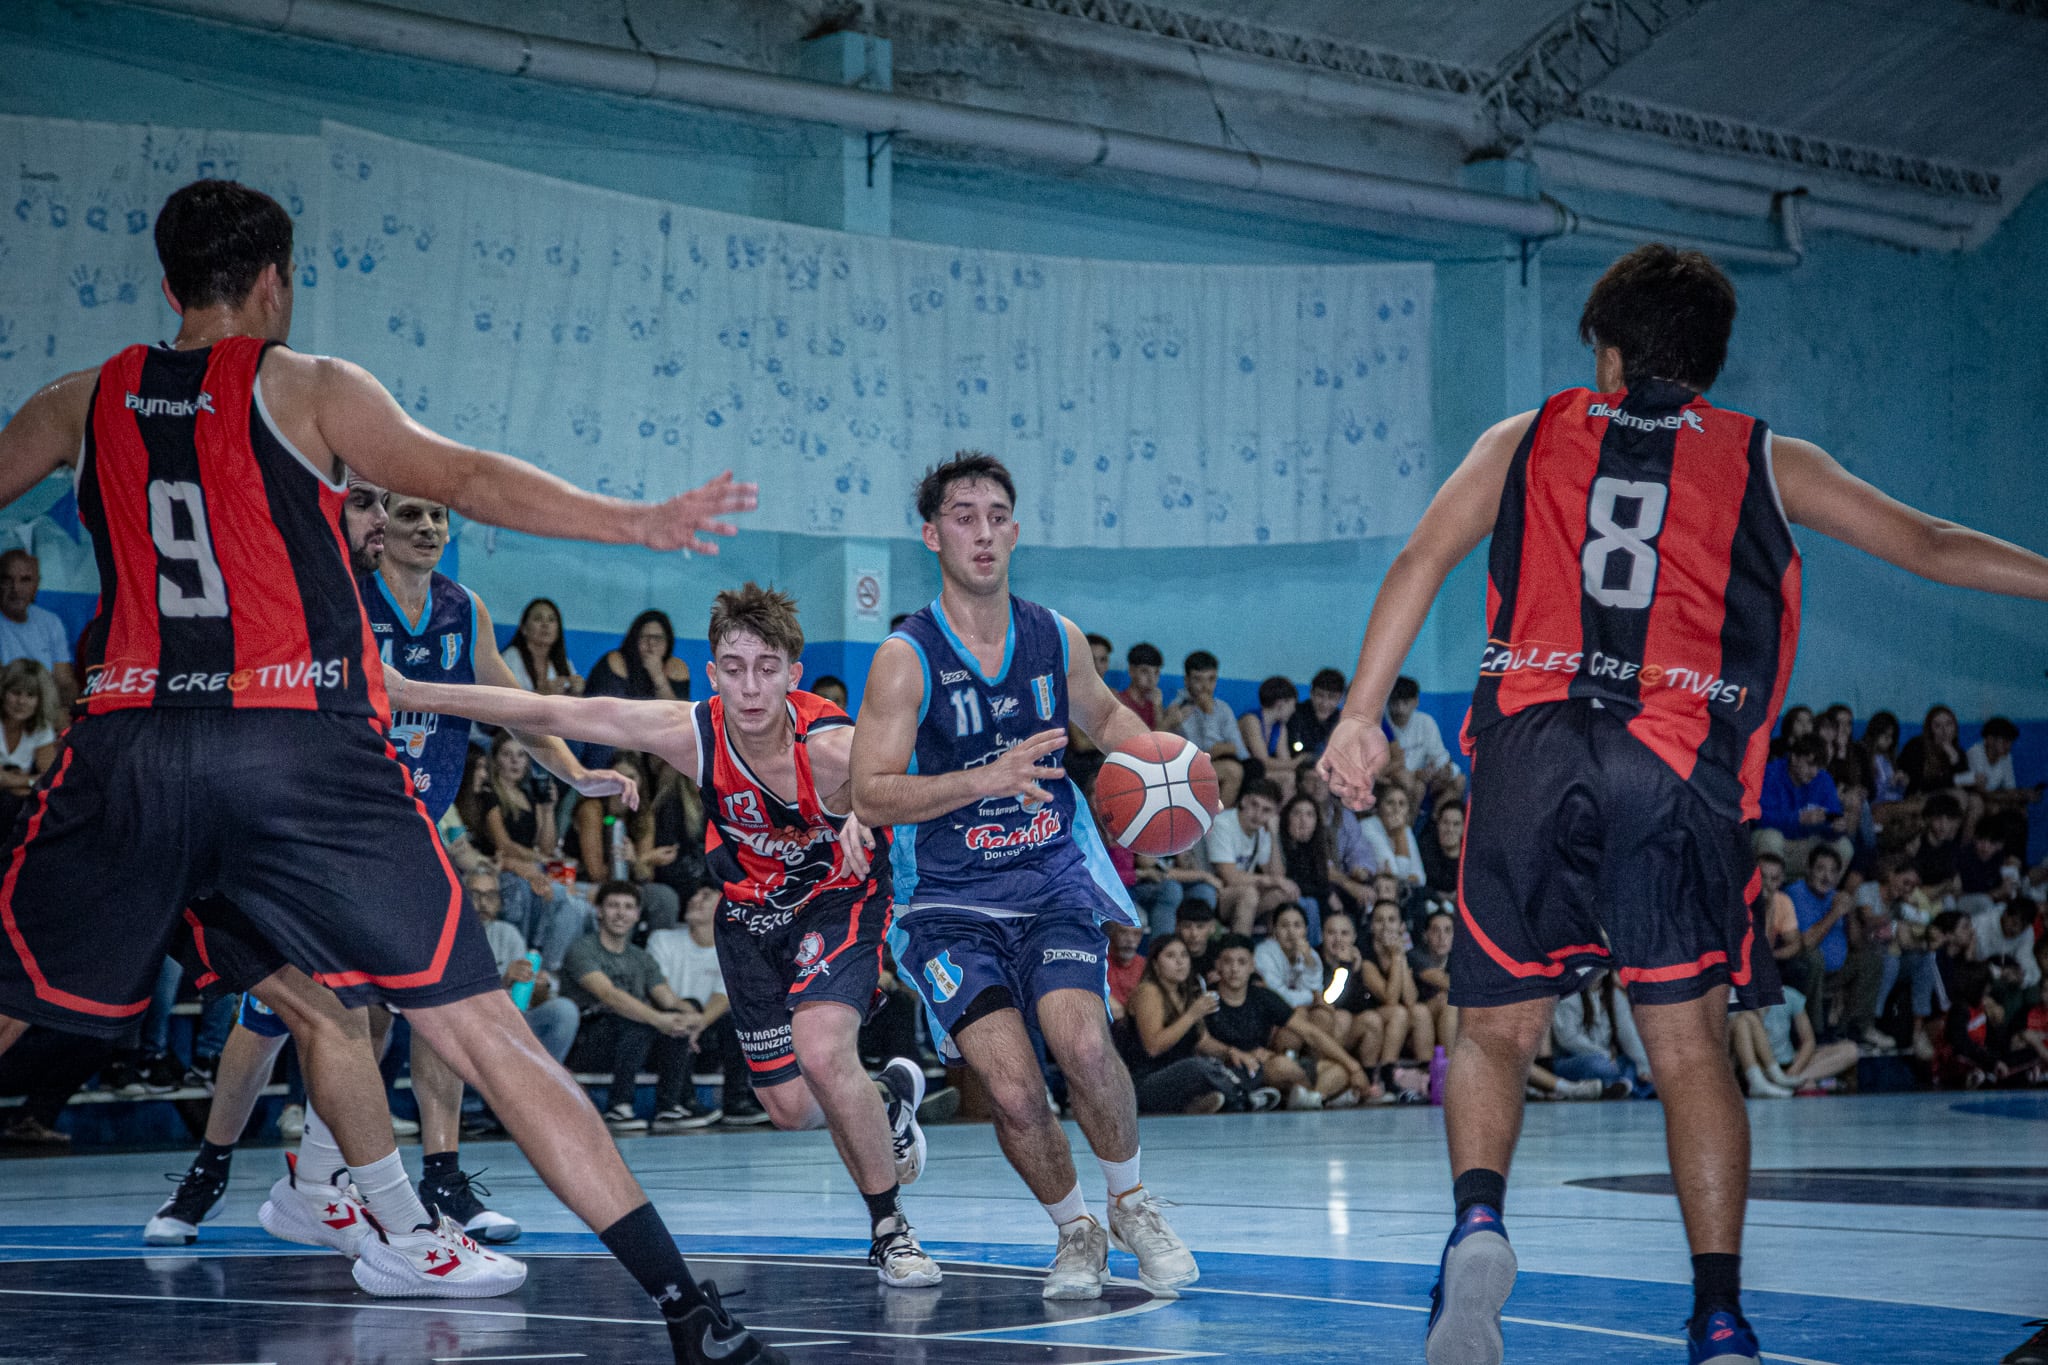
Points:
point(790, 1106)
point(1018, 1102)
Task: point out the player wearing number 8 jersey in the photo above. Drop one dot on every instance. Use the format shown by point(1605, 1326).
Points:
point(1643, 614)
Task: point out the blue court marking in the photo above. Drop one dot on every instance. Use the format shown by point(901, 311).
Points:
point(1315, 1311)
point(2008, 1107)
point(1948, 1187)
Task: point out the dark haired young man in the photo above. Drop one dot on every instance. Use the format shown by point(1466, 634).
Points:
point(1309, 727)
point(1002, 881)
point(800, 930)
point(233, 700)
point(1645, 610)
point(1142, 695)
point(1427, 769)
point(1798, 808)
point(1202, 720)
point(629, 1013)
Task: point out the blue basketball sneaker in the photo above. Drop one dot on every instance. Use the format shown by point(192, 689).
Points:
point(1473, 1282)
point(1724, 1338)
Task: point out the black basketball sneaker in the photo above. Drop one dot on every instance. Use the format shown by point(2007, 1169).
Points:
point(708, 1335)
point(196, 1200)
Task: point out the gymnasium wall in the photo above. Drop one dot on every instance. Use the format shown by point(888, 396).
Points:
point(1926, 374)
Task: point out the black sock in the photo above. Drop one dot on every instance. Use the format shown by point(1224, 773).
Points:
point(213, 1158)
point(883, 1206)
point(1480, 1186)
point(641, 1242)
point(437, 1166)
point(1716, 1284)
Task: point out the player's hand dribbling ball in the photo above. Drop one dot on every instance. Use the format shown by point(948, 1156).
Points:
point(1157, 795)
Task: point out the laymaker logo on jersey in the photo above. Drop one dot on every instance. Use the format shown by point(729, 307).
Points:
point(167, 407)
point(1684, 418)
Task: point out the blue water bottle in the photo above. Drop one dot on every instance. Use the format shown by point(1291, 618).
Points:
point(522, 991)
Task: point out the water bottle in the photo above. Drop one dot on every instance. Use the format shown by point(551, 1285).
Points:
point(522, 991)
point(622, 854)
point(1438, 1065)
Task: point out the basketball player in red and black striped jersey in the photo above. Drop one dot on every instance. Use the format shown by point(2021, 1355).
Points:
point(231, 737)
point(1643, 614)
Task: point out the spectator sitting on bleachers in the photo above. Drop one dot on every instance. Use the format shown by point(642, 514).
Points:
point(1897, 918)
point(831, 687)
point(644, 665)
point(1230, 775)
point(30, 717)
point(1349, 851)
point(536, 654)
point(1199, 932)
point(1939, 844)
point(1175, 1066)
point(2004, 934)
point(1932, 760)
point(1595, 1033)
point(595, 823)
point(1354, 1013)
point(1777, 1049)
point(1429, 962)
point(1126, 965)
point(1390, 833)
point(1880, 747)
point(1196, 714)
point(1431, 774)
point(1796, 722)
point(1990, 760)
point(1409, 1025)
point(1143, 662)
point(1164, 884)
point(1310, 861)
point(28, 631)
point(1443, 851)
point(553, 1017)
point(1982, 1043)
point(1801, 808)
point(1260, 1028)
point(668, 838)
point(688, 958)
point(1288, 966)
point(1309, 727)
point(1246, 856)
point(1823, 941)
point(1986, 875)
point(629, 1013)
point(1264, 730)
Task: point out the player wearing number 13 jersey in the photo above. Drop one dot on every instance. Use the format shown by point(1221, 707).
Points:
point(1643, 614)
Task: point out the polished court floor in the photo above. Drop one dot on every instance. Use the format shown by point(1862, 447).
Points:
point(1889, 1229)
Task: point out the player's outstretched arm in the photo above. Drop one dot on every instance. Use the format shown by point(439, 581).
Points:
point(884, 790)
point(1090, 703)
point(664, 728)
point(1460, 516)
point(363, 425)
point(45, 434)
point(1818, 493)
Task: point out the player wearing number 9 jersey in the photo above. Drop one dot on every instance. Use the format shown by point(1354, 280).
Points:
point(233, 735)
point(1643, 615)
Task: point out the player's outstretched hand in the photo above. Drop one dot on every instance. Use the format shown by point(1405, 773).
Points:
point(1351, 760)
point(603, 782)
point(686, 520)
point(858, 841)
point(1017, 773)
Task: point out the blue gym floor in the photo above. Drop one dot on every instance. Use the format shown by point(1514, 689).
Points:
point(1897, 1229)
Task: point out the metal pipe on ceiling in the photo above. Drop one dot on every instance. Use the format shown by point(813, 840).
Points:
point(643, 75)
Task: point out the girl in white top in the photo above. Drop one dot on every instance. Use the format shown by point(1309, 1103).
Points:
point(1389, 832)
point(1292, 969)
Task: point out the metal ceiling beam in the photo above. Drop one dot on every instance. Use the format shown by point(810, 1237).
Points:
point(1548, 76)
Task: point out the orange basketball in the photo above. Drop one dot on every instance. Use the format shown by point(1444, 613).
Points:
point(1157, 794)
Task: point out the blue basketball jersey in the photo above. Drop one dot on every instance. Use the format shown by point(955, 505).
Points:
point(439, 648)
point(999, 857)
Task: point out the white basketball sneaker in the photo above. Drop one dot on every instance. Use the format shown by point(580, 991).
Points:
point(1136, 1225)
point(316, 1214)
point(904, 1080)
point(1081, 1265)
point(437, 1261)
point(898, 1260)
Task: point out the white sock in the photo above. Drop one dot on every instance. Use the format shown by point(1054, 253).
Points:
point(1121, 1175)
point(1068, 1209)
point(387, 1189)
point(320, 1160)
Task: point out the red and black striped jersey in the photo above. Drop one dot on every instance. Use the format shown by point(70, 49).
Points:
point(224, 569)
point(768, 852)
point(1641, 559)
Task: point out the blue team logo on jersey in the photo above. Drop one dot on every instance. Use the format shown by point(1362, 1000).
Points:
point(1041, 695)
point(944, 976)
point(451, 651)
point(416, 654)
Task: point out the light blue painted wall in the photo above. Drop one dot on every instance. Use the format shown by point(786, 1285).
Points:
point(1927, 374)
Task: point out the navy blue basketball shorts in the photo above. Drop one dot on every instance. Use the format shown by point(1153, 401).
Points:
point(830, 950)
point(264, 836)
point(1584, 850)
point(953, 957)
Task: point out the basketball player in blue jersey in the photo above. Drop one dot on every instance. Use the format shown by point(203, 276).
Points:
point(1002, 884)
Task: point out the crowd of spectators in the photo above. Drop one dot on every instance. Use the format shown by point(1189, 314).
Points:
point(1298, 956)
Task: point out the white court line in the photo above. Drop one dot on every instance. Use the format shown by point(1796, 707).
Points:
point(552, 1355)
